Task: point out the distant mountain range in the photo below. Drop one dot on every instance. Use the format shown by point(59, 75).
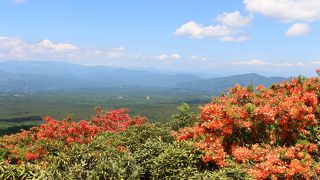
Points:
point(218, 85)
point(29, 76)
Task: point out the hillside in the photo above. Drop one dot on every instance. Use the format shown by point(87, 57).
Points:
point(218, 85)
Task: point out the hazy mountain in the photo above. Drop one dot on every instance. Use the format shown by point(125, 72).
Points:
point(218, 85)
point(39, 76)
point(14, 82)
point(17, 76)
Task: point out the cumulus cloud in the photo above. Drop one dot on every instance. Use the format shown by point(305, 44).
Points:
point(16, 48)
point(286, 10)
point(198, 31)
point(48, 45)
point(229, 28)
point(298, 29)
point(234, 19)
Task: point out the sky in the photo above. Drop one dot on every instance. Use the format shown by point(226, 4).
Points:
point(209, 37)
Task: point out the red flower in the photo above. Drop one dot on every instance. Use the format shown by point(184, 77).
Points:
point(29, 156)
point(66, 131)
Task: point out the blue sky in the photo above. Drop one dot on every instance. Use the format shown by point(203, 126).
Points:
point(217, 37)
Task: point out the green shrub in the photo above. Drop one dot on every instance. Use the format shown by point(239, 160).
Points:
point(183, 118)
point(233, 171)
point(136, 136)
point(179, 160)
point(23, 171)
point(99, 159)
point(146, 155)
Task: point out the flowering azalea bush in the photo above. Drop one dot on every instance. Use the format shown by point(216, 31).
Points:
point(273, 131)
point(50, 136)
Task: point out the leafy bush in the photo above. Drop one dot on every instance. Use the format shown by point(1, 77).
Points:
point(136, 136)
point(233, 171)
point(273, 132)
point(23, 172)
point(146, 155)
point(50, 136)
point(178, 160)
point(183, 118)
point(102, 158)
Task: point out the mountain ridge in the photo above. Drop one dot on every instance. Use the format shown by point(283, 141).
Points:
point(45, 76)
point(221, 83)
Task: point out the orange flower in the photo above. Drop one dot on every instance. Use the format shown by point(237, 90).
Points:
point(281, 115)
point(29, 156)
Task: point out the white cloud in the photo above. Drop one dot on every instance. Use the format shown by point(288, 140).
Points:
point(198, 31)
point(116, 52)
point(18, 49)
point(14, 48)
point(160, 57)
point(175, 56)
point(286, 10)
point(298, 29)
point(228, 31)
point(60, 47)
point(165, 57)
point(285, 64)
point(240, 38)
point(198, 58)
point(234, 19)
point(255, 62)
